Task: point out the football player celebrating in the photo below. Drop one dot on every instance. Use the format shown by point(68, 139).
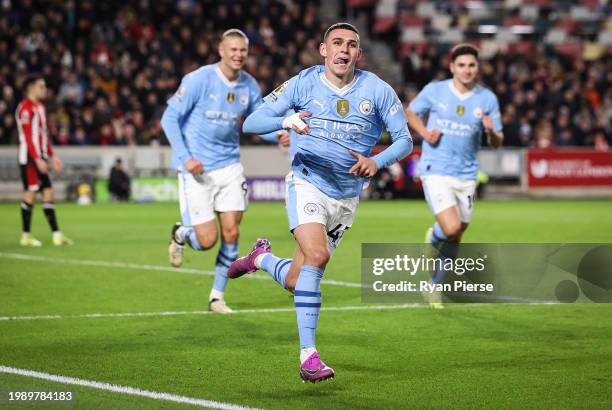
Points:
point(459, 110)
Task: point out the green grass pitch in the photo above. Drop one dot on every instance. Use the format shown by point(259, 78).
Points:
point(465, 356)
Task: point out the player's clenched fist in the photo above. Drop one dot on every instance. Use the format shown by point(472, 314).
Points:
point(194, 167)
point(296, 122)
point(432, 136)
point(487, 123)
point(364, 167)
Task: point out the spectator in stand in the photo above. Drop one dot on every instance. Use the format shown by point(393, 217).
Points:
point(543, 135)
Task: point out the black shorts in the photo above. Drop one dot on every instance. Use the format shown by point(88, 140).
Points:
point(32, 179)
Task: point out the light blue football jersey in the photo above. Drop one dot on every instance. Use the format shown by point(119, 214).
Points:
point(211, 108)
point(350, 118)
point(459, 118)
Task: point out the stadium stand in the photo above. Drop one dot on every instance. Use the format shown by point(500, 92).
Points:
point(549, 62)
point(111, 65)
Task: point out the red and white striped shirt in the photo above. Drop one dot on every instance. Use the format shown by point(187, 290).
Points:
point(34, 141)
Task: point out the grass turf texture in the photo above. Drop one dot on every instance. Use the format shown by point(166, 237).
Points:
point(464, 356)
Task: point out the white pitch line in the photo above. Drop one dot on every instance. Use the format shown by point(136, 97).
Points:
point(206, 312)
point(136, 266)
point(132, 391)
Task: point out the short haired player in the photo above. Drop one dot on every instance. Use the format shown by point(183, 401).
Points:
point(459, 110)
point(340, 113)
point(35, 155)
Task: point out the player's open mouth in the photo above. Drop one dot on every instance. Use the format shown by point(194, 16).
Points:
point(342, 62)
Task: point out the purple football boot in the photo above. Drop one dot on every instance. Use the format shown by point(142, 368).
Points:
point(314, 370)
point(246, 264)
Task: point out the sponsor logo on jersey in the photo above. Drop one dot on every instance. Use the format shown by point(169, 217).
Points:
point(460, 110)
point(450, 127)
point(222, 117)
point(342, 107)
point(365, 107)
point(319, 103)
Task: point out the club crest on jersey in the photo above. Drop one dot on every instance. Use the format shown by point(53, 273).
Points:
point(460, 110)
point(365, 107)
point(342, 107)
point(231, 97)
point(244, 100)
point(478, 112)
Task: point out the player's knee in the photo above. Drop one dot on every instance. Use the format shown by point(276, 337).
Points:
point(317, 257)
point(453, 230)
point(47, 195)
point(231, 234)
point(206, 239)
point(29, 196)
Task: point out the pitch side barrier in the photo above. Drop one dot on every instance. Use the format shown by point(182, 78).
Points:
point(510, 172)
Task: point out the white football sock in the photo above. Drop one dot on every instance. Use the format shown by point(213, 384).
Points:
point(306, 353)
point(215, 294)
point(259, 260)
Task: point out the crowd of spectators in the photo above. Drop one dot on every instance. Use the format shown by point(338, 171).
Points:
point(549, 62)
point(111, 65)
point(546, 99)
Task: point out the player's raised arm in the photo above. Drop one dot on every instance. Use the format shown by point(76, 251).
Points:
point(179, 105)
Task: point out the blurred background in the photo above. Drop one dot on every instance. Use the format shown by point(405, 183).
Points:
point(110, 66)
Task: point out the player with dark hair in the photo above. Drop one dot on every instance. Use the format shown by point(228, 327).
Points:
point(339, 115)
point(459, 111)
point(35, 152)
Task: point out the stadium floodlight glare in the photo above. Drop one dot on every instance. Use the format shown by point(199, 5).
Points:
point(487, 29)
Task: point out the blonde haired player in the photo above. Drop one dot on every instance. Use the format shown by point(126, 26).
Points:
point(202, 123)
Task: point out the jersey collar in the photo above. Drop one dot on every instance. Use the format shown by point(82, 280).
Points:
point(224, 78)
point(459, 95)
point(339, 91)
